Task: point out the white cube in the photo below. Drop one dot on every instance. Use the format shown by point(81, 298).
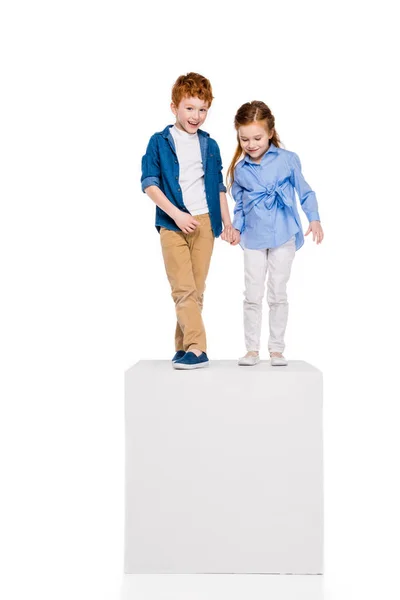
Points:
point(224, 470)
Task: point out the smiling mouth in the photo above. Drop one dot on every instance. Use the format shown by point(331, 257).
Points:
point(193, 124)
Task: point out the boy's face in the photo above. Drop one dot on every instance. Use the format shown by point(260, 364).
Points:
point(190, 114)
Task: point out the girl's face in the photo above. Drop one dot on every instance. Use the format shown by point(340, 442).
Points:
point(255, 139)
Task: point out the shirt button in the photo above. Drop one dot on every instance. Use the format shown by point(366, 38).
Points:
point(179, 189)
point(176, 162)
point(176, 178)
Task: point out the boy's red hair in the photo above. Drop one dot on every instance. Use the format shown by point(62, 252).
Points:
point(192, 85)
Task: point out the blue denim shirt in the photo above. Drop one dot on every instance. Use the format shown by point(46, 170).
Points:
point(160, 167)
point(265, 212)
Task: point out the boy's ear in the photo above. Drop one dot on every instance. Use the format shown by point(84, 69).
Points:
point(173, 108)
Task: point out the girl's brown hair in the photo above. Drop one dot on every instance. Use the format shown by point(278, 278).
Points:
point(252, 112)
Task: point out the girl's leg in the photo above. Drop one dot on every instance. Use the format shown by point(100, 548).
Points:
point(255, 269)
point(280, 261)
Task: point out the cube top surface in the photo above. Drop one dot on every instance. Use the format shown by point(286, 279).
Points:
point(219, 366)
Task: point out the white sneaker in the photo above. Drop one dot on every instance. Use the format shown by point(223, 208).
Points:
point(248, 361)
point(278, 361)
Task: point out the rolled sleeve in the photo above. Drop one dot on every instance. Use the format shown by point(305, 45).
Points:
point(307, 197)
point(151, 173)
point(148, 181)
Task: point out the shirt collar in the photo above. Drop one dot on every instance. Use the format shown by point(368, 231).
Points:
point(166, 132)
point(271, 150)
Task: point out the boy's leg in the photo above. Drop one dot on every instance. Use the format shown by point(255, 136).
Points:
point(178, 337)
point(201, 244)
point(178, 266)
point(280, 261)
point(255, 269)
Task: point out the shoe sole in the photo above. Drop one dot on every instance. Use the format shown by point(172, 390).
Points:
point(248, 364)
point(281, 364)
point(189, 367)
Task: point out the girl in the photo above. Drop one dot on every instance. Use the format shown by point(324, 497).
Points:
point(267, 223)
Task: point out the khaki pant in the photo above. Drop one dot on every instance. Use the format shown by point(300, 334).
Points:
point(187, 259)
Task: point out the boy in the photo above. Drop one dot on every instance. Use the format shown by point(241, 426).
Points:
point(182, 174)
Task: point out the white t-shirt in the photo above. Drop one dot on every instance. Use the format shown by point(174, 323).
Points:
point(191, 172)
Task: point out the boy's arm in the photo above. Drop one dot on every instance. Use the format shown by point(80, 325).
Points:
point(184, 221)
point(226, 217)
point(159, 198)
point(151, 175)
point(227, 234)
point(151, 169)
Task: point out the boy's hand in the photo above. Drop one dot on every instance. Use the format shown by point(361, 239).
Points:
point(227, 234)
point(186, 222)
point(236, 237)
point(316, 229)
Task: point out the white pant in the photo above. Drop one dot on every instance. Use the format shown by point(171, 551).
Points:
point(278, 262)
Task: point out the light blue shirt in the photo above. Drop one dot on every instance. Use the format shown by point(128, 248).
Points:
point(266, 212)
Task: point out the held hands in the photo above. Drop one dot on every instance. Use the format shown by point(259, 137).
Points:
point(236, 237)
point(317, 232)
point(227, 234)
point(230, 235)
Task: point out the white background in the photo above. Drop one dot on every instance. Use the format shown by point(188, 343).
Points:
point(84, 293)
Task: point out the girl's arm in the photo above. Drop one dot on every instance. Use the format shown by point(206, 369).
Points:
point(238, 215)
point(307, 199)
point(306, 195)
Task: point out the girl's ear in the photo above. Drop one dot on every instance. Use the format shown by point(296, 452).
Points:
point(271, 133)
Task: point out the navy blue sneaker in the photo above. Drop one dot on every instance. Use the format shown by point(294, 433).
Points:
point(179, 354)
point(191, 361)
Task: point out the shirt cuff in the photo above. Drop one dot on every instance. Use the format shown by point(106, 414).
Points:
point(238, 222)
point(222, 188)
point(147, 181)
point(313, 216)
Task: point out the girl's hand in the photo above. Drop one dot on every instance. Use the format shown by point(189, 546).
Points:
point(236, 237)
point(317, 232)
point(227, 234)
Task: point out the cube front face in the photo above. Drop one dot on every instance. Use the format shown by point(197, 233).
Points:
point(224, 469)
